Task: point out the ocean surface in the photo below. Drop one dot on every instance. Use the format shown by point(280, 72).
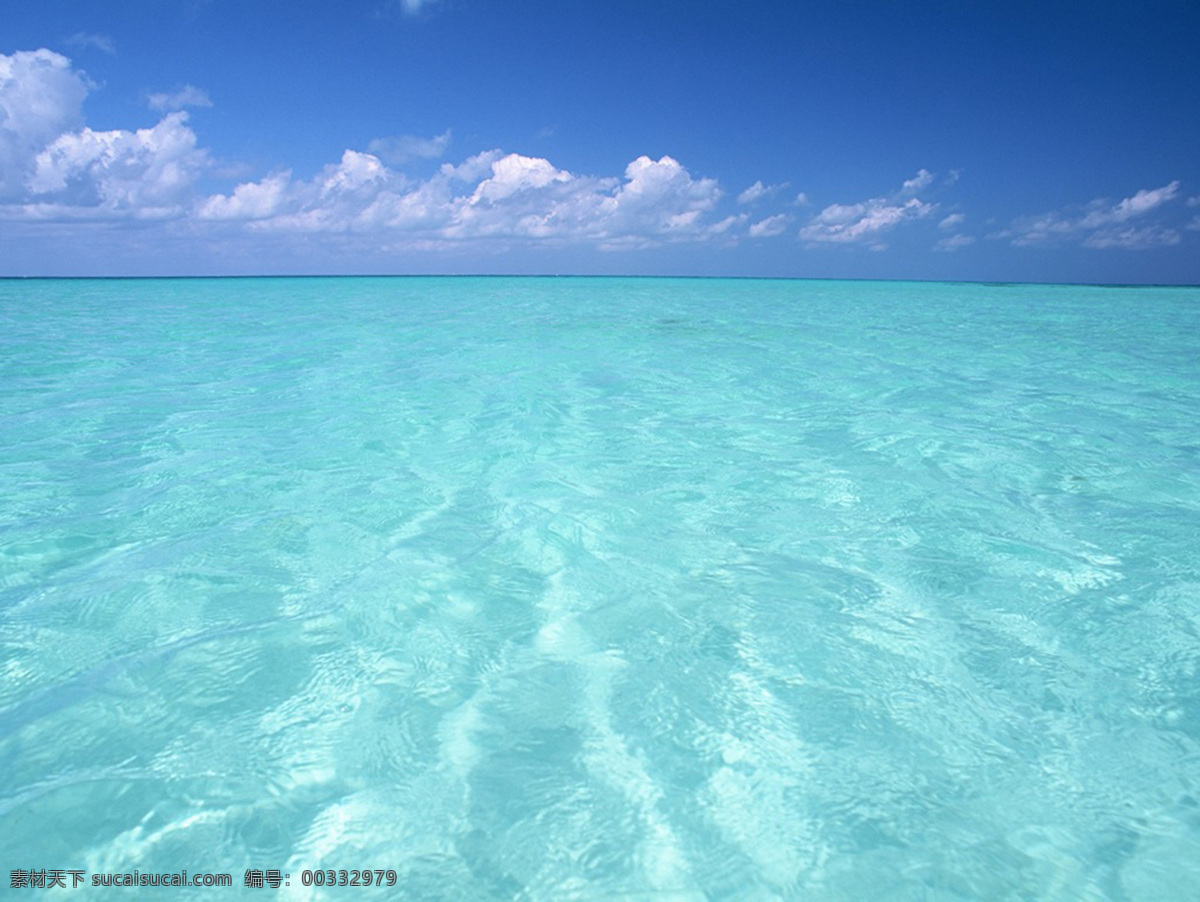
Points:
point(544, 589)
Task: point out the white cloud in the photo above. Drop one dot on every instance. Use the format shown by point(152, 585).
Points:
point(146, 173)
point(342, 197)
point(1097, 225)
point(648, 182)
point(188, 95)
point(725, 226)
point(864, 222)
point(658, 200)
point(1193, 201)
point(473, 168)
point(753, 193)
point(801, 200)
point(919, 182)
point(953, 243)
point(759, 191)
point(402, 148)
point(1142, 202)
point(515, 173)
point(771, 226)
point(101, 42)
point(52, 167)
point(1194, 225)
point(252, 200)
point(355, 174)
point(1133, 238)
point(491, 196)
point(951, 221)
point(41, 97)
point(57, 167)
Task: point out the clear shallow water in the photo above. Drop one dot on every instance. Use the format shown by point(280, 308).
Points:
point(570, 588)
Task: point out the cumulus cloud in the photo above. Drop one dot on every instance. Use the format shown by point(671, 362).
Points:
point(41, 97)
point(252, 200)
point(402, 148)
point(55, 167)
point(952, 221)
point(953, 243)
point(1100, 224)
point(652, 185)
point(1193, 201)
point(528, 197)
point(340, 198)
point(515, 173)
point(187, 96)
point(758, 191)
point(771, 226)
point(488, 196)
point(866, 221)
point(801, 200)
point(144, 173)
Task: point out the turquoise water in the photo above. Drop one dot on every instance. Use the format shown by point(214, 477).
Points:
point(600, 589)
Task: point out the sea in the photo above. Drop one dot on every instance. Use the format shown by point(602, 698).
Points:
point(599, 588)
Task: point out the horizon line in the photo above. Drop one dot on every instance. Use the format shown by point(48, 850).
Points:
point(181, 277)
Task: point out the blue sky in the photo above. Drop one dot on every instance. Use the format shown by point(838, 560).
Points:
point(1041, 141)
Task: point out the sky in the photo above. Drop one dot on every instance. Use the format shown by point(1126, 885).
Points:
point(1041, 141)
